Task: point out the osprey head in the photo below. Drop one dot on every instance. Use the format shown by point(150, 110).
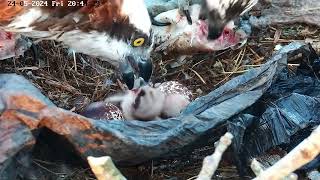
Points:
point(117, 31)
point(128, 38)
point(221, 12)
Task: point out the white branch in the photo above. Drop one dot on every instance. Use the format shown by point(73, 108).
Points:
point(210, 163)
point(305, 152)
point(104, 169)
point(258, 168)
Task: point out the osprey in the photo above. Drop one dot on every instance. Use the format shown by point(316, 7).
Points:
point(117, 31)
point(219, 13)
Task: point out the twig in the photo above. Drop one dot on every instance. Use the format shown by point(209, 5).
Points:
point(254, 53)
point(152, 169)
point(56, 173)
point(258, 60)
point(192, 178)
point(104, 169)
point(252, 65)
point(270, 40)
point(210, 163)
point(293, 64)
point(76, 80)
point(33, 68)
point(197, 74)
point(238, 57)
point(306, 151)
point(196, 64)
point(277, 35)
point(74, 60)
point(121, 85)
point(236, 72)
point(62, 85)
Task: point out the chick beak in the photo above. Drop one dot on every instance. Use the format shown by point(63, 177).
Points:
point(139, 83)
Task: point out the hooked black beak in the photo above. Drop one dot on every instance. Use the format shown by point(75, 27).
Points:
point(145, 68)
point(127, 73)
point(135, 69)
point(215, 22)
point(215, 32)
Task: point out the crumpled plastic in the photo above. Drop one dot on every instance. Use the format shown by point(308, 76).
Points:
point(284, 116)
point(25, 111)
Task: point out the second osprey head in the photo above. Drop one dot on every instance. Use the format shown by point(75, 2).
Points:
point(219, 13)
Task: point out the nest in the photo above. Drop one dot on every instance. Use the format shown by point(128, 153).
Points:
point(72, 81)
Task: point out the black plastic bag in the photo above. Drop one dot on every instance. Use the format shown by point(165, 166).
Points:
point(284, 115)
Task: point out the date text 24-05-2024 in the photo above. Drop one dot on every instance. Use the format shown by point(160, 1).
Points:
point(44, 3)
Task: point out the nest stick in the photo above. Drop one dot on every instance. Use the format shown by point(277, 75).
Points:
point(104, 169)
point(306, 151)
point(258, 168)
point(210, 163)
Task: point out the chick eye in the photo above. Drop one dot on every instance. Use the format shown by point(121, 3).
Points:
point(142, 93)
point(138, 42)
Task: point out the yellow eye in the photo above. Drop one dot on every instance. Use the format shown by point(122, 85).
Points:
point(138, 42)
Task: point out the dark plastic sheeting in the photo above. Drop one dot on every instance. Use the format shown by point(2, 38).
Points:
point(284, 115)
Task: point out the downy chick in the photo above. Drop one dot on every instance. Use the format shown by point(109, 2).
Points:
point(145, 103)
